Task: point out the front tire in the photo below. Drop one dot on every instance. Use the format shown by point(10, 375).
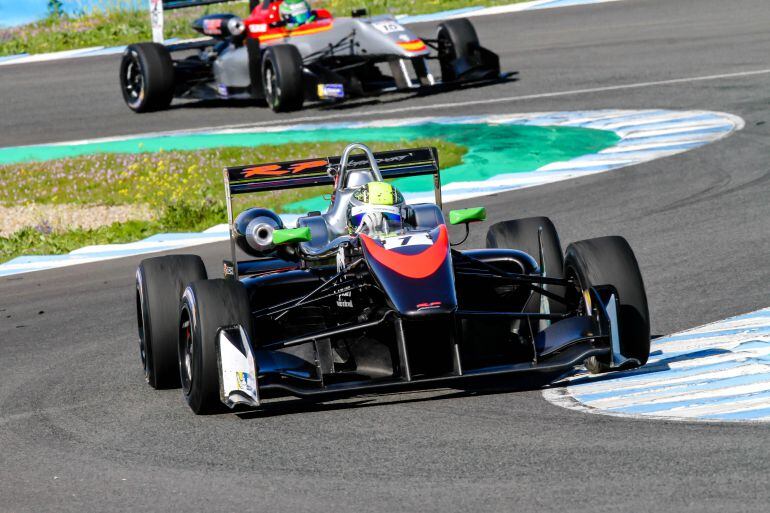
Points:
point(147, 77)
point(522, 234)
point(457, 39)
point(206, 307)
point(611, 261)
point(159, 285)
point(282, 78)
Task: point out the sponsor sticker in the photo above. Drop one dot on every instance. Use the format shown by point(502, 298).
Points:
point(212, 27)
point(246, 382)
point(257, 28)
point(414, 239)
point(345, 300)
point(331, 91)
point(388, 27)
point(301, 167)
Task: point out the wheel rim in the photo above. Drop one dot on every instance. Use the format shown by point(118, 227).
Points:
point(143, 349)
point(578, 292)
point(446, 50)
point(133, 81)
point(186, 352)
point(272, 89)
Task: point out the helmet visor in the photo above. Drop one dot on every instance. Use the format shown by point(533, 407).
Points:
point(376, 219)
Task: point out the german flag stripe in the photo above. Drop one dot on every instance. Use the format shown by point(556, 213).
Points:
point(413, 46)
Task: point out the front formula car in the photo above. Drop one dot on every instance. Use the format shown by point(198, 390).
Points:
point(323, 59)
point(329, 309)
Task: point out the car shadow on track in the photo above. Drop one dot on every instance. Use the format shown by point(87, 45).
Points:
point(661, 365)
point(291, 406)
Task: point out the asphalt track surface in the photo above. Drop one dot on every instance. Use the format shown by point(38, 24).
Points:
point(79, 431)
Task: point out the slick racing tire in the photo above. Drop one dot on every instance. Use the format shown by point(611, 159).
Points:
point(457, 39)
point(611, 261)
point(147, 77)
point(282, 78)
point(522, 234)
point(206, 307)
point(160, 282)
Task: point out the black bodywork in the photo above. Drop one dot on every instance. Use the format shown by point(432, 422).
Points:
point(327, 330)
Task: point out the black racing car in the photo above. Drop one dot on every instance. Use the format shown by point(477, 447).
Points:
point(323, 311)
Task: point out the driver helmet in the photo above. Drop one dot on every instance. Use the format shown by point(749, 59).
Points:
point(295, 12)
point(376, 208)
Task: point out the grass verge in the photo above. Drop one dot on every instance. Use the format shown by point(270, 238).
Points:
point(182, 189)
point(113, 27)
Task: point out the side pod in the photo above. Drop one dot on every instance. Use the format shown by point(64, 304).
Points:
point(237, 368)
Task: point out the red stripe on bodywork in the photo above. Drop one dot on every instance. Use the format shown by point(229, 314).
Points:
point(420, 265)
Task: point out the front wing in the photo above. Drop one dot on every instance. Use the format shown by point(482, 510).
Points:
point(249, 374)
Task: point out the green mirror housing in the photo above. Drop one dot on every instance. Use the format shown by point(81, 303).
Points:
point(291, 236)
point(467, 215)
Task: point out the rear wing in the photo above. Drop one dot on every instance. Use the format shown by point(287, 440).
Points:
point(157, 7)
point(322, 171)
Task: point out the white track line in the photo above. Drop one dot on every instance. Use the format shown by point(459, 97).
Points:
point(289, 123)
point(491, 101)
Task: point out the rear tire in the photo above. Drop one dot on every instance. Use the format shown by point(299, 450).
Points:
point(282, 78)
point(457, 39)
point(147, 77)
point(159, 285)
point(521, 234)
point(611, 261)
point(206, 307)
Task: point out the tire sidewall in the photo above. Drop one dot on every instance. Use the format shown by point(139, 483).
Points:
point(132, 56)
point(159, 285)
point(462, 36)
point(209, 305)
point(158, 76)
point(271, 96)
point(144, 328)
point(194, 393)
point(615, 264)
point(285, 62)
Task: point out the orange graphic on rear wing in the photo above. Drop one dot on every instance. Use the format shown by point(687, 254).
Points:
point(320, 171)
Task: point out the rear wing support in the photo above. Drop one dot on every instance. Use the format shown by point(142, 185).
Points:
point(326, 171)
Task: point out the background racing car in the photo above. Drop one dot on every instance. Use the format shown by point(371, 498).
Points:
point(370, 296)
point(325, 58)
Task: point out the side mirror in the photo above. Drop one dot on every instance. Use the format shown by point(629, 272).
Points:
point(467, 215)
point(291, 236)
point(358, 12)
